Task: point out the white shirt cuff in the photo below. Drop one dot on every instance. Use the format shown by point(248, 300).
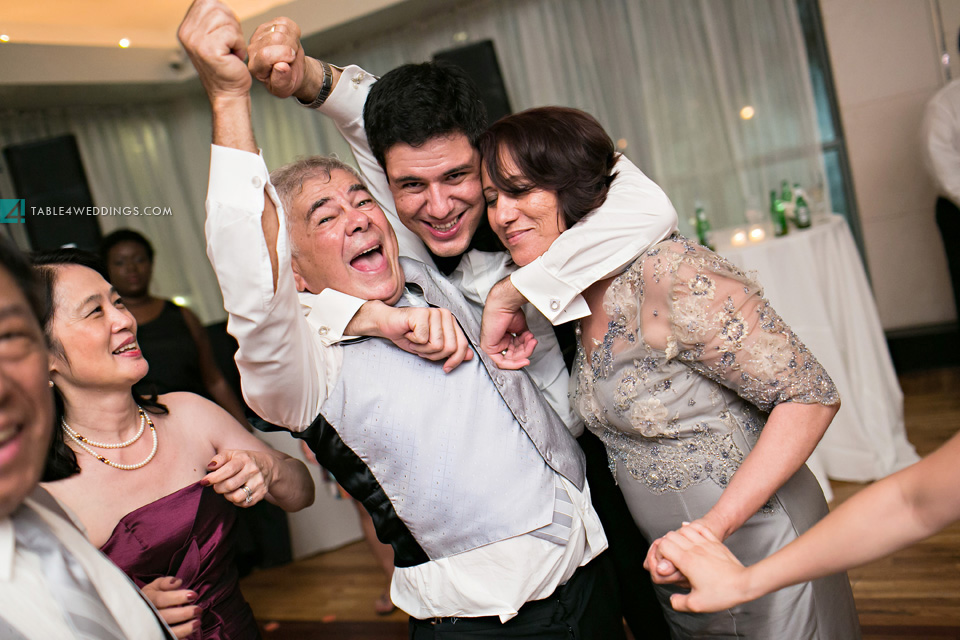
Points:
point(237, 178)
point(345, 102)
point(330, 313)
point(556, 300)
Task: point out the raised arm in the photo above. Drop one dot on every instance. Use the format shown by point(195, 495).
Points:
point(890, 514)
point(284, 373)
point(701, 310)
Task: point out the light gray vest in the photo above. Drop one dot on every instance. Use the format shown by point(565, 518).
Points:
point(467, 458)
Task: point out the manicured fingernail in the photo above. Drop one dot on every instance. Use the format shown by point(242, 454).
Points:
point(204, 482)
point(191, 596)
point(213, 463)
point(684, 523)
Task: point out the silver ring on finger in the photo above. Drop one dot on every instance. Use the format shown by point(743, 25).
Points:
point(249, 493)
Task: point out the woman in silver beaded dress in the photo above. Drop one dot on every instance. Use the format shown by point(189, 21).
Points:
point(707, 403)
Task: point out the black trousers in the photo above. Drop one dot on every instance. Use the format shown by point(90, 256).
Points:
point(581, 609)
point(948, 219)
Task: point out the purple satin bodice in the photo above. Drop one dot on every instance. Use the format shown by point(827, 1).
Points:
point(189, 535)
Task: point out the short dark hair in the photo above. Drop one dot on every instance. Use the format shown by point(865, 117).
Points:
point(124, 235)
point(555, 148)
point(61, 459)
point(416, 102)
point(16, 263)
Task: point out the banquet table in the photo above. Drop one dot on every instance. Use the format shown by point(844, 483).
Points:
point(815, 279)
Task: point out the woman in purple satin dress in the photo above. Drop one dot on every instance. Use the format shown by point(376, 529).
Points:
point(154, 481)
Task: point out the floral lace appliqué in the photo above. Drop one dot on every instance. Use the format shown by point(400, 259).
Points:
point(675, 465)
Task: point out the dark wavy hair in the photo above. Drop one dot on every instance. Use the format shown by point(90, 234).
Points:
point(61, 459)
point(557, 149)
point(416, 102)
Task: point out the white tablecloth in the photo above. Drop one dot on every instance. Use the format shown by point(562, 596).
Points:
point(814, 278)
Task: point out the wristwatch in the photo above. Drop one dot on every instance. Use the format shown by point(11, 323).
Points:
point(325, 87)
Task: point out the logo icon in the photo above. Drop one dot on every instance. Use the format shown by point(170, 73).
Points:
point(12, 211)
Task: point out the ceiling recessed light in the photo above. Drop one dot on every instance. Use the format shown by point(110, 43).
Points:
point(124, 43)
point(747, 112)
point(4, 38)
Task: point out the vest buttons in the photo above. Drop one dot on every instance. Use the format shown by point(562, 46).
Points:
point(257, 182)
point(499, 381)
point(324, 330)
point(522, 417)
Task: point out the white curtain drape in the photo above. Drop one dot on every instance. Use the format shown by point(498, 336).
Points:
point(667, 78)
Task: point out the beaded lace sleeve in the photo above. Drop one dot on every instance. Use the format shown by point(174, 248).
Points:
point(699, 308)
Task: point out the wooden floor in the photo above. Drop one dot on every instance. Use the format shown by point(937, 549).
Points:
point(916, 587)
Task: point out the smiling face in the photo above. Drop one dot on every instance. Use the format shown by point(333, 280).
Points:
point(26, 400)
point(130, 268)
point(527, 223)
point(95, 334)
point(342, 239)
point(436, 187)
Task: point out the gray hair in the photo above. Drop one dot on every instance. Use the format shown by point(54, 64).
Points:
point(288, 181)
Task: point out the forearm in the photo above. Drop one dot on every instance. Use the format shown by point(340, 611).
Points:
point(367, 320)
point(872, 524)
point(232, 124)
point(789, 437)
point(313, 80)
point(890, 514)
point(291, 487)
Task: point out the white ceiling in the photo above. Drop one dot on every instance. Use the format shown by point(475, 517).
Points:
point(73, 44)
point(150, 24)
point(147, 24)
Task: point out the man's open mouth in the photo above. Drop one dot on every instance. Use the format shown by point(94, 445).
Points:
point(369, 260)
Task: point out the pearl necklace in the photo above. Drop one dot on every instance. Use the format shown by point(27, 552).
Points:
point(107, 445)
point(125, 467)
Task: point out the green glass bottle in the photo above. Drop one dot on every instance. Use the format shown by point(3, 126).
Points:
point(786, 194)
point(778, 214)
point(801, 213)
point(703, 227)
